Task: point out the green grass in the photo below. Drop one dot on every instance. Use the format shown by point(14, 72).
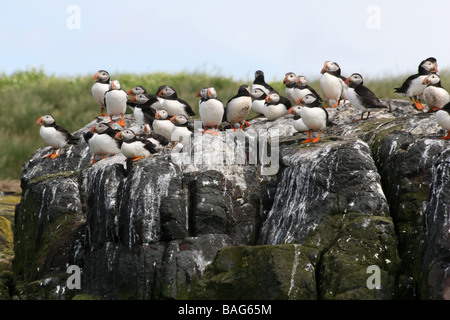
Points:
point(27, 95)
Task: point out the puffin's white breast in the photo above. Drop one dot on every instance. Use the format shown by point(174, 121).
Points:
point(331, 86)
point(52, 137)
point(116, 102)
point(275, 111)
point(163, 127)
point(314, 118)
point(134, 149)
point(98, 92)
point(181, 135)
point(443, 119)
point(211, 112)
point(238, 109)
point(436, 97)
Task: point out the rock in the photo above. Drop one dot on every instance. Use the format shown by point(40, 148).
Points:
point(269, 272)
point(286, 221)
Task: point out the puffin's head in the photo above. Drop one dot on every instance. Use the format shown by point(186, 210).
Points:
point(136, 90)
point(46, 120)
point(102, 76)
point(290, 78)
point(125, 135)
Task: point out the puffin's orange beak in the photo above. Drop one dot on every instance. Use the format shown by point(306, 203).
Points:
point(300, 101)
point(96, 76)
point(425, 81)
point(129, 92)
point(39, 121)
point(324, 68)
point(198, 94)
point(92, 129)
point(173, 119)
point(134, 99)
point(347, 80)
point(118, 136)
point(285, 80)
point(290, 110)
point(160, 94)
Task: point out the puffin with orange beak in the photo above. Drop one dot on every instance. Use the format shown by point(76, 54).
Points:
point(414, 86)
point(116, 102)
point(100, 87)
point(172, 103)
point(238, 108)
point(101, 141)
point(332, 84)
point(435, 95)
point(276, 106)
point(54, 135)
point(211, 110)
point(361, 97)
point(314, 116)
point(133, 147)
point(182, 130)
point(144, 108)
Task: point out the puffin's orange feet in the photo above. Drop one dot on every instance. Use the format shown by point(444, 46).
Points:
point(447, 137)
point(53, 156)
point(137, 158)
point(121, 122)
point(309, 138)
point(315, 140)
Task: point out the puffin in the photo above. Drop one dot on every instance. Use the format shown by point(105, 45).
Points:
point(443, 119)
point(101, 141)
point(290, 81)
point(116, 101)
point(297, 123)
point(413, 86)
point(238, 108)
point(314, 116)
point(259, 82)
point(276, 106)
point(162, 124)
point(259, 100)
point(434, 95)
point(157, 139)
point(133, 92)
point(211, 110)
point(332, 83)
point(361, 97)
point(133, 147)
point(182, 130)
point(144, 110)
point(303, 89)
point(101, 85)
point(54, 135)
point(174, 105)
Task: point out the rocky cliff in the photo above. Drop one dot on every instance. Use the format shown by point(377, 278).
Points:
point(363, 214)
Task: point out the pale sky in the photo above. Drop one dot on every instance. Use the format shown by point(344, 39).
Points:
point(231, 38)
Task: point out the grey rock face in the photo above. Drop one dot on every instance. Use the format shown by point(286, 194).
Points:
point(370, 193)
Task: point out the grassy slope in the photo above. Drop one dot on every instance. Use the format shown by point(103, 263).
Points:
point(25, 96)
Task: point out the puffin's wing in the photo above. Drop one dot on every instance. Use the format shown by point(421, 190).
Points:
point(368, 97)
point(162, 140)
point(70, 138)
point(189, 110)
point(314, 93)
point(406, 84)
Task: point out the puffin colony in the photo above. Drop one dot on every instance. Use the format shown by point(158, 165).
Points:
point(219, 136)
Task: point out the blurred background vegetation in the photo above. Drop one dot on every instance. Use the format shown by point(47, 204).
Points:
point(27, 95)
